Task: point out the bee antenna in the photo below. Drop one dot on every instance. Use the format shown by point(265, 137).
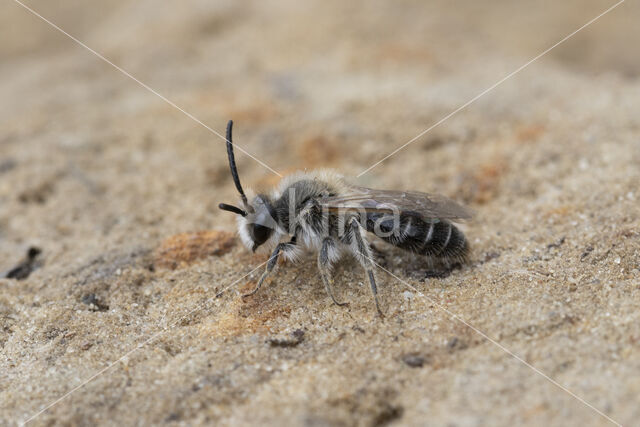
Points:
point(233, 167)
point(230, 208)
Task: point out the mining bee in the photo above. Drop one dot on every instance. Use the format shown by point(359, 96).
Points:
point(321, 211)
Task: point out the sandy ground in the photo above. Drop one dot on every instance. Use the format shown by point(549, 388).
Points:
point(105, 178)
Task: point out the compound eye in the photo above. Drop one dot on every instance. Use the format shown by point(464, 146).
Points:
point(259, 234)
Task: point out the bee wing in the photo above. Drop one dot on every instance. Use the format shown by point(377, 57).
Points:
point(429, 206)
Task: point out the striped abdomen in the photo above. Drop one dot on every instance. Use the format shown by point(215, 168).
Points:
point(436, 238)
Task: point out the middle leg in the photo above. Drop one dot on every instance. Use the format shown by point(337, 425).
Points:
point(324, 265)
point(363, 254)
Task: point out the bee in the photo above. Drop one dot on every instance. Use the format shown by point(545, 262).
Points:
point(322, 212)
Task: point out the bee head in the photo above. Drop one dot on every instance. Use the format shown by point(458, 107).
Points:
point(256, 219)
point(257, 227)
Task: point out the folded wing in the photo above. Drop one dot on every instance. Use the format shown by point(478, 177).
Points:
point(427, 206)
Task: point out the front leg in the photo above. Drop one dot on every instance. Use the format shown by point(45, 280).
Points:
point(324, 265)
point(363, 253)
point(273, 260)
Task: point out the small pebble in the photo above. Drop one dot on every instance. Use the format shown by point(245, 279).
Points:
point(414, 360)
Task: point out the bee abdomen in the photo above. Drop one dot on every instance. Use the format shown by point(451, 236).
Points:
point(437, 238)
point(446, 241)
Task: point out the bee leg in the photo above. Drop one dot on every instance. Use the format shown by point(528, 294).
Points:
point(273, 260)
point(324, 265)
point(363, 253)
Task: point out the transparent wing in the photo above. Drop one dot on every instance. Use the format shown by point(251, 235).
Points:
point(370, 200)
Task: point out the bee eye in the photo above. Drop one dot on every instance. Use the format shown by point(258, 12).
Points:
point(259, 234)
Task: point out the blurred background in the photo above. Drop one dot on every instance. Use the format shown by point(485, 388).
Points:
point(92, 164)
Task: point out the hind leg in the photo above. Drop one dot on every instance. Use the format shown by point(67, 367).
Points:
point(324, 265)
point(363, 254)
